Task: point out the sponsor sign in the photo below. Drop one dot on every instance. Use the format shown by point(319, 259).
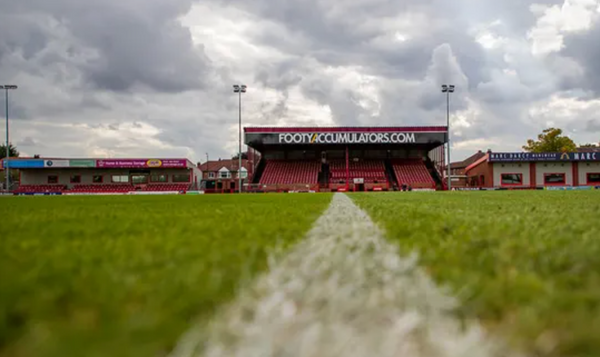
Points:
point(194, 193)
point(139, 163)
point(359, 180)
point(39, 194)
point(569, 188)
point(343, 138)
point(423, 190)
point(23, 164)
point(346, 138)
point(546, 156)
point(56, 163)
point(94, 193)
point(82, 163)
point(483, 188)
point(154, 192)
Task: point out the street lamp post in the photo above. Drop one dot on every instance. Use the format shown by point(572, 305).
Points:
point(6, 88)
point(448, 88)
point(239, 89)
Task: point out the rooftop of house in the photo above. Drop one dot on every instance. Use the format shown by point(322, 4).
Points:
point(468, 161)
point(229, 164)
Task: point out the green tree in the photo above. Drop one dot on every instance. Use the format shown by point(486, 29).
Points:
point(14, 174)
point(590, 146)
point(244, 156)
point(551, 140)
point(12, 150)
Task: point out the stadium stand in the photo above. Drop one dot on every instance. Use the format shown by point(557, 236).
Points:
point(290, 172)
point(413, 172)
point(124, 187)
point(160, 187)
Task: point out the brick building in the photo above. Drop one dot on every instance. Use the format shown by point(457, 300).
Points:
point(222, 175)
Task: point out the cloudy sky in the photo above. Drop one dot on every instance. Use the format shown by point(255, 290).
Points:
point(141, 78)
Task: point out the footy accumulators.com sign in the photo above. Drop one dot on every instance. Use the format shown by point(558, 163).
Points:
point(347, 138)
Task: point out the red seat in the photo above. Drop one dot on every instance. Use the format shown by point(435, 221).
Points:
point(101, 188)
point(413, 172)
point(162, 187)
point(372, 171)
point(290, 172)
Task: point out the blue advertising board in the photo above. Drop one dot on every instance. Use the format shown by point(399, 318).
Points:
point(23, 164)
point(545, 156)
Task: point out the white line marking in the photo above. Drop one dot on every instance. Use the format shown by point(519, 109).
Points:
point(343, 291)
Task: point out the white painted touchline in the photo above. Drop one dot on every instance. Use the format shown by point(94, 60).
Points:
point(343, 291)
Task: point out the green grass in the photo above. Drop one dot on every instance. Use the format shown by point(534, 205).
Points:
point(526, 264)
point(125, 276)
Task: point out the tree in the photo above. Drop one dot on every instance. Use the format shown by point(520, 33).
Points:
point(12, 150)
point(551, 140)
point(244, 156)
point(590, 146)
point(14, 174)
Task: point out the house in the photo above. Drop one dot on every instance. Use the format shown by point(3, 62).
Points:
point(222, 175)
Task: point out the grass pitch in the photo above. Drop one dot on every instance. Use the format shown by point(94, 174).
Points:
point(125, 276)
point(526, 264)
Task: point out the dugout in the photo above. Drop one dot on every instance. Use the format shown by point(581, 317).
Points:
point(346, 158)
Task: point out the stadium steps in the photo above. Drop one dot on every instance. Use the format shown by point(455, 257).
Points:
point(260, 169)
point(389, 171)
point(439, 182)
point(324, 176)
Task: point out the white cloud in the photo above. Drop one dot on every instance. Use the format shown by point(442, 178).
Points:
point(555, 21)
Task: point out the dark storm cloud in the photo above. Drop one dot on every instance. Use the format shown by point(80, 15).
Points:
point(339, 34)
point(128, 43)
point(584, 49)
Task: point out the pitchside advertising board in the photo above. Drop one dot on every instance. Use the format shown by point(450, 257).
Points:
point(109, 163)
point(345, 138)
point(153, 163)
point(545, 156)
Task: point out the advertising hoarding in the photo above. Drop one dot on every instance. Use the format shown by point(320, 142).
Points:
point(56, 163)
point(23, 164)
point(82, 163)
point(343, 138)
point(545, 156)
point(141, 163)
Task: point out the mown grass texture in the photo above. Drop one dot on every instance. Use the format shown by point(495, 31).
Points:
point(126, 276)
point(526, 264)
